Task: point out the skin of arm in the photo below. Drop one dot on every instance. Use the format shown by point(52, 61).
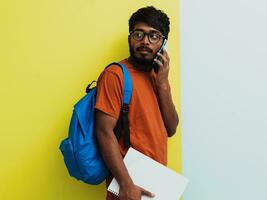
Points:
point(109, 149)
point(167, 108)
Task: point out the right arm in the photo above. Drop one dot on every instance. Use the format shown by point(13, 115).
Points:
point(109, 149)
point(108, 106)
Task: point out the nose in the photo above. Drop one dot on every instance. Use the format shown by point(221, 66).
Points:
point(145, 40)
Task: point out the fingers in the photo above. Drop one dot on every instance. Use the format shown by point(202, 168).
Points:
point(165, 53)
point(146, 193)
point(164, 57)
point(160, 64)
point(163, 61)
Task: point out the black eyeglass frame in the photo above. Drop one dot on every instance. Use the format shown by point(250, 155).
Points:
point(147, 34)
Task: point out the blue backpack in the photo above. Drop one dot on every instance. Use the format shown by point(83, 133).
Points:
point(80, 150)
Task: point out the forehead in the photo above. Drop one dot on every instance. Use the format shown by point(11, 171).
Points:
point(144, 26)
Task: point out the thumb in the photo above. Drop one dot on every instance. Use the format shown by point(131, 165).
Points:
point(146, 193)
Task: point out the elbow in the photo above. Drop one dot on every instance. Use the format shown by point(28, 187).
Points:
point(171, 132)
point(172, 129)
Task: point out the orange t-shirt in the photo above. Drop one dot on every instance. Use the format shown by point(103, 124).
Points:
point(147, 131)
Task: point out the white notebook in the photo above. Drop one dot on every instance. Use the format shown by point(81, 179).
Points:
point(152, 176)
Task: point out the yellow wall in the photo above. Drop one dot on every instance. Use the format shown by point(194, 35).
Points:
point(50, 51)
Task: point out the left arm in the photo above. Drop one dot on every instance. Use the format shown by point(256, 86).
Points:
point(167, 108)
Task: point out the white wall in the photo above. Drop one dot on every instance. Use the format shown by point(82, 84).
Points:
point(224, 99)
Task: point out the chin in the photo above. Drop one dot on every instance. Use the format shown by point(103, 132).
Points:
point(143, 60)
point(145, 65)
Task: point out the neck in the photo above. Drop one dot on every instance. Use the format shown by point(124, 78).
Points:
point(145, 68)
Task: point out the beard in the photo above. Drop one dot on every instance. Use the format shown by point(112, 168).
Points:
point(146, 63)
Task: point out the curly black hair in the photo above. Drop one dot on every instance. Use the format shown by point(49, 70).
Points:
point(152, 17)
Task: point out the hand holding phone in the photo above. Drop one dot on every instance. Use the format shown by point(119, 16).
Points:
point(154, 64)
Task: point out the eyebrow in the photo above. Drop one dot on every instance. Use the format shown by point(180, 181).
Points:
point(152, 31)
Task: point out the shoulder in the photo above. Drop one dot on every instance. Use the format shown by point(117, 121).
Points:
point(111, 76)
point(112, 72)
point(114, 69)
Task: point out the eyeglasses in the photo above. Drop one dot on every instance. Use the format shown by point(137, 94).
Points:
point(153, 36)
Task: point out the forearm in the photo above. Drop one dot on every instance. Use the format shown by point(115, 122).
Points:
point(167, 108)
point(112, 157)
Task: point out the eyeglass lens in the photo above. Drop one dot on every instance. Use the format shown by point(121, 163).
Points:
point(153, 36)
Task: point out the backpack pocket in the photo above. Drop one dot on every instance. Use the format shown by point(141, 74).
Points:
point(66, 148)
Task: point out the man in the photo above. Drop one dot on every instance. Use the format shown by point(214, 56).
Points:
point(152, 115)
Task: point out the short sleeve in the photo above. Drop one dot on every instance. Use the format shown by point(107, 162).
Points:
point(109, 93)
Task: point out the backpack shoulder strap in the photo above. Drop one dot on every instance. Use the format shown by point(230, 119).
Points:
point(127, 83)
point(122, 126)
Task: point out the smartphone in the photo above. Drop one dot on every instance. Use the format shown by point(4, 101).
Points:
point(154, 64)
